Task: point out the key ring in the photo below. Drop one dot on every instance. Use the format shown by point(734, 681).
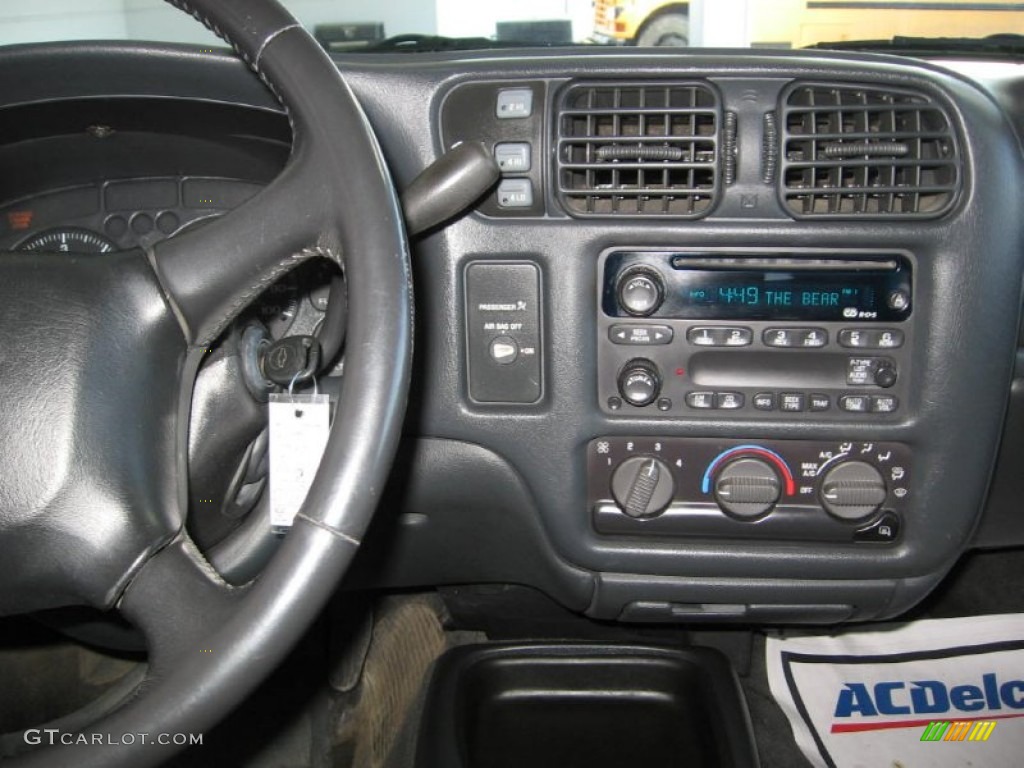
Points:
point(295, 378)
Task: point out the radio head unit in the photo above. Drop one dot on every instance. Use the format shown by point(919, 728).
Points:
point(747, 334)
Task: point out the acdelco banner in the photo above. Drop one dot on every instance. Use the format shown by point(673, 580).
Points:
point(938, 693)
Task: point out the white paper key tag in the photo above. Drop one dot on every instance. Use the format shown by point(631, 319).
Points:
point(299, 425)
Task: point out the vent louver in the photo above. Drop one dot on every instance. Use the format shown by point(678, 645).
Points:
point(648, 149)
point(850, 150)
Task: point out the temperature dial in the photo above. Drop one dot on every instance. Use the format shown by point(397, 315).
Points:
point(747, 488)
point(852, 490)
point(643, 486)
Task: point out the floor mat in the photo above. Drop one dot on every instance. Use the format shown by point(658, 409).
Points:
point(941, 693)
point(407, 638)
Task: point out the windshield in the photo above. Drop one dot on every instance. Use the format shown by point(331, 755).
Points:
point(351, 25)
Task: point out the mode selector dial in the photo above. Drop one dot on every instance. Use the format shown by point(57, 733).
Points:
point(639, 382)
point(643, 486)
point(640, 291)
point(852, 490)
point(747, 487)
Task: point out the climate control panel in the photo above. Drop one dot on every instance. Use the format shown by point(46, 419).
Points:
point(786, 490)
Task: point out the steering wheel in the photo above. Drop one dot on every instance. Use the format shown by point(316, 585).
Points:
point(98, 361)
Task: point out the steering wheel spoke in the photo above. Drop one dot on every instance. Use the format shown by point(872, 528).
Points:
point(178, 602)
point(212, 273)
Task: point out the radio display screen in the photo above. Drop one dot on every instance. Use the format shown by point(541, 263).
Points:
point(773, 289)
point(779, 295)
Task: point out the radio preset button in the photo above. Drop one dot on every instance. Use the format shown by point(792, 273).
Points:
point(778, 337)
point(855, 338)
point(813, 338)
point(792, 402)
point(729, 401)
point(871, 338)
point(738, 337)
point(703, 401)
point(889, 338)
point(855, 403)
point(764, 401)
point(719, 336)
point(788, 338)
point(640, 335)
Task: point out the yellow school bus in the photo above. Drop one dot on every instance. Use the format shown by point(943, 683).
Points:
point(799, 23)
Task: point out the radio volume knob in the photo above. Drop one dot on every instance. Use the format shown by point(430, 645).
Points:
point(852, 490)
point(747, 488)
point(643, 486)
point(640, 291)
point(639, 382)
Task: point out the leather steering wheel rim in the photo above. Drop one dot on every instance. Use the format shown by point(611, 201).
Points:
point(211, 644)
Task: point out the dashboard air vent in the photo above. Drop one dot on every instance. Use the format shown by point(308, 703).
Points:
point(647, 149)
point(852, 150)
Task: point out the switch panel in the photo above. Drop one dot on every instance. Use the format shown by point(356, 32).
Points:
point(509, 119)
point(503, 332)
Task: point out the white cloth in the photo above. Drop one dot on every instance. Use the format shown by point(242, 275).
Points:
point(864, 699)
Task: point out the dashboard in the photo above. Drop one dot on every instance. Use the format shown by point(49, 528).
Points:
point(734, 337)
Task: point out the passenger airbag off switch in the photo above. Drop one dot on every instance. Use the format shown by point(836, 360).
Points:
point(503, 331)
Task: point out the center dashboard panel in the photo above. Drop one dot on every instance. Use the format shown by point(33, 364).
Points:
point(770, 313)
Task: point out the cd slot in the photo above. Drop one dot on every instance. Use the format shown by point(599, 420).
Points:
point(786, 265)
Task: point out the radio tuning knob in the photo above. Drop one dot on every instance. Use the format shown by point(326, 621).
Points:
point(640, 291)
point(747, 488)
point(639, 382)
point(852, 490)
point(643, 486)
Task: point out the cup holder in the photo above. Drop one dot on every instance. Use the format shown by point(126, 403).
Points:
point(592, 706)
